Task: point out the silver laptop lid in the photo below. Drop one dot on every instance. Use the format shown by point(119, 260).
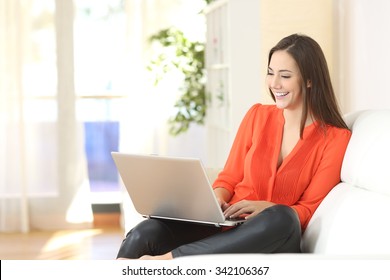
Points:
point(169, 187)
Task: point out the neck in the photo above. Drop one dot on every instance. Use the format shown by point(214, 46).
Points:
point(293, 118)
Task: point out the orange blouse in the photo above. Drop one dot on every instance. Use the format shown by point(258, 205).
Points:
point(304, 178)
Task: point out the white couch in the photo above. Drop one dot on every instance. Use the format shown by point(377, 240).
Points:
point(354, 219)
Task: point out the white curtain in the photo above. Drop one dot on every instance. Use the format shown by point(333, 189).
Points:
point(43, 171)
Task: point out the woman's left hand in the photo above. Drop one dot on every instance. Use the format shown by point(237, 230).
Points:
point(250, 208)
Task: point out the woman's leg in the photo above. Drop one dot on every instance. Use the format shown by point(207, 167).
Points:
point(275, 230)
point(157, 237)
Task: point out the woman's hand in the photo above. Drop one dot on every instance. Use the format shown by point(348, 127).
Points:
point(224, 205)
point(223, 196)
point(246, 207)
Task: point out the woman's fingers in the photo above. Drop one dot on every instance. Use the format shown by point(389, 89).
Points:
point(237, 209)
point(223, 204)
point(246, 207)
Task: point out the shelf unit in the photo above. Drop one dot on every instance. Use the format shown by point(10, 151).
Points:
point(232, 64)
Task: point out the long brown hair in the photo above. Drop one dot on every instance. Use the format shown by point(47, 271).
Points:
point(319, 99)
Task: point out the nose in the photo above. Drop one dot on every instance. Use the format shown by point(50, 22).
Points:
point(274, 82)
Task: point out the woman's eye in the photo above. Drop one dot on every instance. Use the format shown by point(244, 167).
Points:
point(286, 77)
point(269, 73)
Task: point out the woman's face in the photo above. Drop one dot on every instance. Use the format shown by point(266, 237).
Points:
point(285, 81)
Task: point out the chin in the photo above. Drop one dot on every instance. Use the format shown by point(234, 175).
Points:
point(280, 105)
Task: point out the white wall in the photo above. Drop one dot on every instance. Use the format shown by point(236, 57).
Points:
point(245, 57)
point(364, 54)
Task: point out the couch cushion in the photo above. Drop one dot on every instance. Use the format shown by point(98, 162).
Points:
point(349, 220)
point(366, 159)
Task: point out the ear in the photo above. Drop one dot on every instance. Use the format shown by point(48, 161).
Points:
point(308, 84)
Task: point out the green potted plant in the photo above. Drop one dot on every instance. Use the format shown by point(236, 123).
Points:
point(189, 59)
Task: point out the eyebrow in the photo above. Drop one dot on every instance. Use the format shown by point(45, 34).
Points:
point(283, 70)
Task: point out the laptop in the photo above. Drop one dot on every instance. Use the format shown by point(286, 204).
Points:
point(170, 188)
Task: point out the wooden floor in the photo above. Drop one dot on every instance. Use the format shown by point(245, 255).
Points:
point(98, 243)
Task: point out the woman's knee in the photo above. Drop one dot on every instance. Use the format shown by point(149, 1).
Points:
point(143, 239)
point(285, 225)
point(278, 220)
point(146, 230)
point(285, 217)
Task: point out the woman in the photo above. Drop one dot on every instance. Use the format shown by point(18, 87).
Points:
point(284, 160)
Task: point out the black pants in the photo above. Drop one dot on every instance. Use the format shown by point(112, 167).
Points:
point(275, 230)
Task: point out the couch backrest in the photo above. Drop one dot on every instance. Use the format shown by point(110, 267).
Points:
point(366, 162)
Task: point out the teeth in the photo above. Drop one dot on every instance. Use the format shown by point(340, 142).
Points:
point(281, 94)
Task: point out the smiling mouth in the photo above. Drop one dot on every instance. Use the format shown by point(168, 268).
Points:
point(281, 94)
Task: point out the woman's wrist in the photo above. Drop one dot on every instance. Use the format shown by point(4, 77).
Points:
point(222, 194)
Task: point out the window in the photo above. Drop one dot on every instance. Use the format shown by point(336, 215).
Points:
point(100, 84)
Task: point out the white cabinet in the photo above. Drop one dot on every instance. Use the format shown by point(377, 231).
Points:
point(233, 71)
